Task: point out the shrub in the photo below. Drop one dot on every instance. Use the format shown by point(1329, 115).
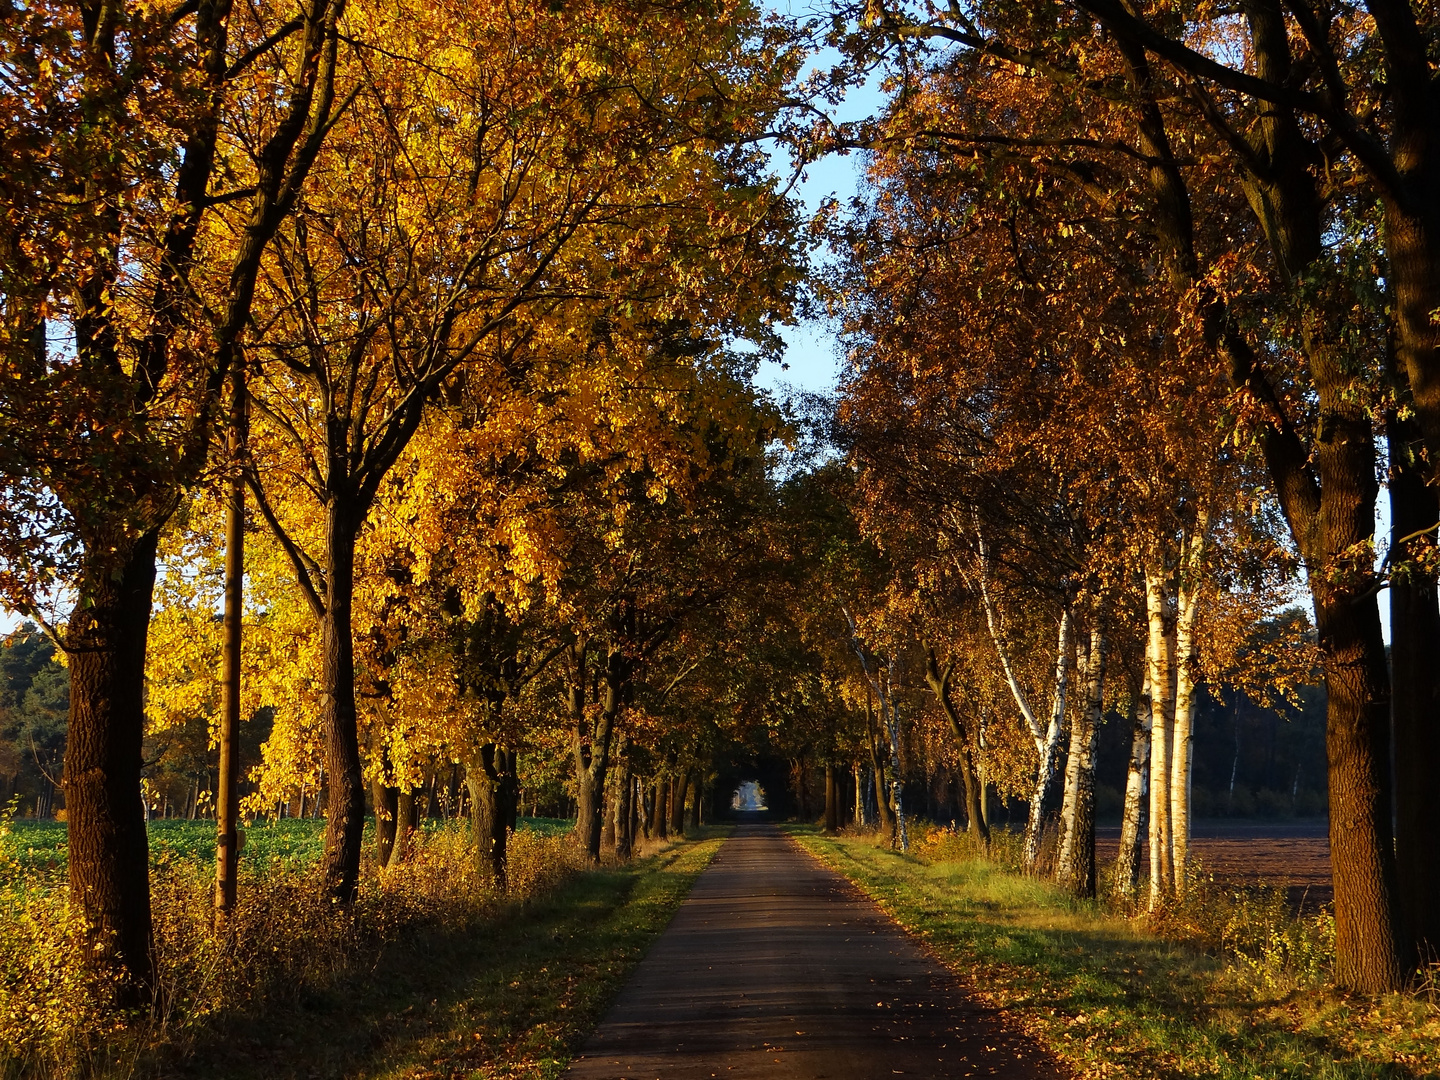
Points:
point(282, 940)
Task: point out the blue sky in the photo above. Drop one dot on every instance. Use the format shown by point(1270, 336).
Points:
point(812, 355)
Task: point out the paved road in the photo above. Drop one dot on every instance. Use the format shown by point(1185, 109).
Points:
point(777, 967)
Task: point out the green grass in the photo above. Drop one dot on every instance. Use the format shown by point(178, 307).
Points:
point(1114, 1000)
point(40, 846)
point(510, 996)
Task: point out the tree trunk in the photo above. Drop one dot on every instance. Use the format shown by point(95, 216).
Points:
point(624, 808)
point(860, 798)
point(386, 800)
point(877, 769)
point(1162, 709)
point(1192, 566)
point(699, 795)
point(494, 789)
point(939, 683)
point(592, 747)
point(1127, 864)
point(1077, 852)
point(227, 807)
point(832, 800)
point(680, 782)
point(345, 807)
point(1047, 746)
point(607, 832)
point(405, 821)
point(109, 852)
point(1415, 706)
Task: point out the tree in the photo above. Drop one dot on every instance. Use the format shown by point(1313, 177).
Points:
point(123, 150)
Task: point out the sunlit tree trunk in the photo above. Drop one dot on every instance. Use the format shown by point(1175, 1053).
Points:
point(1192, 569)
point(1162, 711)
point(679, 783)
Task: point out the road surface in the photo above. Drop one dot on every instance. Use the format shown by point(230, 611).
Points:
point(778, 967)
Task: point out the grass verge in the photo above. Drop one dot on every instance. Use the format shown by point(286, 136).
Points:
point(1112, 999)
point(512, 995)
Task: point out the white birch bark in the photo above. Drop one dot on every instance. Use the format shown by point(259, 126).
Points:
point(1127, 864)
point(1047, 738)
point(1186, 647)
point(1162, 702)
point(1049, 747)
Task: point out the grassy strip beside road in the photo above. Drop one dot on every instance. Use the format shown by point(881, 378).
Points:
point(1112, 999)
point(512, 996)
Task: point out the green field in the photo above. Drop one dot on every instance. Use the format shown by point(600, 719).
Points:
point(40, 846)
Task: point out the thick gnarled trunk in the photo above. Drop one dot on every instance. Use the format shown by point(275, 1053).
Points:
point(109, 852)
point(494, 796)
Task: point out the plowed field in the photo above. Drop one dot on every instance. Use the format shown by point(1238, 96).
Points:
point(1293, 854)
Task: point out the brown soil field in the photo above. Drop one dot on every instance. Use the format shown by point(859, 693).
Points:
point(1295, 854)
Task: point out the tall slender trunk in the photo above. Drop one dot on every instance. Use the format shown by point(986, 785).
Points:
point(1162, 711)
point(624, 798)
point(608, 834)
point(832, 799)
point(939, 683)
point(109, 852)
point(592, 746)
point(1047, 745)
point(860, 821)
point(877, 769)
point(1127, 864)
point(345, 807)
point(1192, 568)
point(1077, 850)
point(227, 806)
point(695, 803)
point(890, 714)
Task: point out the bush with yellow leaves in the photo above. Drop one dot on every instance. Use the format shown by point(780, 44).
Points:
point(282, 939)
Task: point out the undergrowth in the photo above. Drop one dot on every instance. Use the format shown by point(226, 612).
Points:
point(282, 943)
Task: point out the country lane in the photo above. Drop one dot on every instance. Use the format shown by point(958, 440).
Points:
point(775, 966)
